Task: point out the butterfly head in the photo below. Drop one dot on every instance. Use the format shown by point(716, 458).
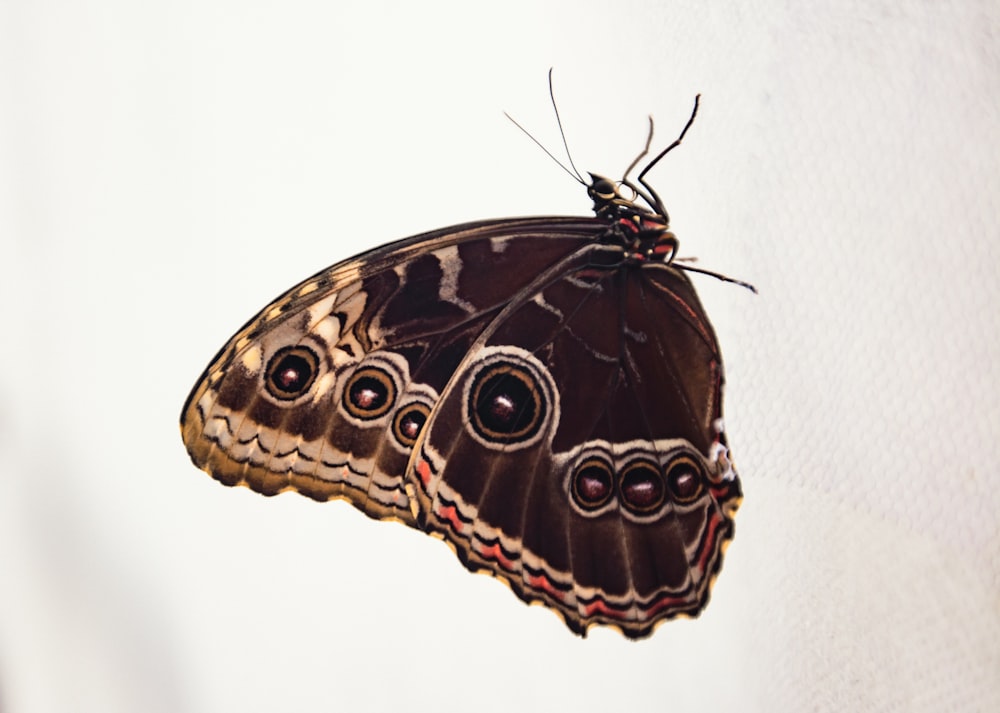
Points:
point(643, 232)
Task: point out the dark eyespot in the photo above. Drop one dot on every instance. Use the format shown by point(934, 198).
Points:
point(684, 478)
point(642, 487)
point(506, 404)
point(593, 484)
point(369, 393)
point(409, 421)
point(291, 372)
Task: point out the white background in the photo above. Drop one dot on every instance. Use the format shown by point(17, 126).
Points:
point(166, 168)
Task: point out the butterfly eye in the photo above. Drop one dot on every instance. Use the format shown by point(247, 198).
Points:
point(684, 480)
point(593, 484)
point(506, 404)
point(290, 372)
point(642, 487)
point(369, 393)
point(602, 188)
point(409, 421)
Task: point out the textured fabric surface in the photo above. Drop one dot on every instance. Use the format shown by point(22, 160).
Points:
point(165, 171)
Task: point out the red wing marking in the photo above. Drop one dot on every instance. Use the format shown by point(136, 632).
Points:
point(708, 546)
point(598, 606)
point(720, 493)
point(664, 603)
point(424, 471)
point(493, 552)
point(542, 583)
point(450, 515)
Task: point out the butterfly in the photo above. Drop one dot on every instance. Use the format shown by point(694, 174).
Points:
point(545, 394)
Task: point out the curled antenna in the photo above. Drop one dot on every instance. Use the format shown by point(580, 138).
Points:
point(574, 173)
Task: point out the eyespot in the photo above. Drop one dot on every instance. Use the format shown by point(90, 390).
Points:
point(369, 393)
point(685, 479)
point(409, 422)
point(506, 404)
point(291, 372)
point(642, 488)
point(592, 483)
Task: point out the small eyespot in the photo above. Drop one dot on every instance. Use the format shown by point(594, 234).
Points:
point(642, 487)
point(685, 479)
point(593, 483)
point(369, 393)
point(506, 403)
point(409, 422)
point(291, 372)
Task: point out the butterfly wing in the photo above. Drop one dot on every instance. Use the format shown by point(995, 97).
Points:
point(577, 451)
point(325, 391)
point(555, 412)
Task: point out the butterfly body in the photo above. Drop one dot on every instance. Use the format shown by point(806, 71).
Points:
point(545, 394)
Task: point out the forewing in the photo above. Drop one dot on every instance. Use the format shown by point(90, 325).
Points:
point(326, 390)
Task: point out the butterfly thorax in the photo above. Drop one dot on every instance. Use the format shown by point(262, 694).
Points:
point(643, 233)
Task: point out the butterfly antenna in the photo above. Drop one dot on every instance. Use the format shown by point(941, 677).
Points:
point(548, 153)
point(716, 275)
point(555, 108)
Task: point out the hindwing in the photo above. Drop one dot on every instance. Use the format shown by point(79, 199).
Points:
point(578, 453)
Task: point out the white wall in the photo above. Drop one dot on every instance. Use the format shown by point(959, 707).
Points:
point(167, 168)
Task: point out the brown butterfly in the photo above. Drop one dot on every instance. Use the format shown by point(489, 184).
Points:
point(544, 393)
